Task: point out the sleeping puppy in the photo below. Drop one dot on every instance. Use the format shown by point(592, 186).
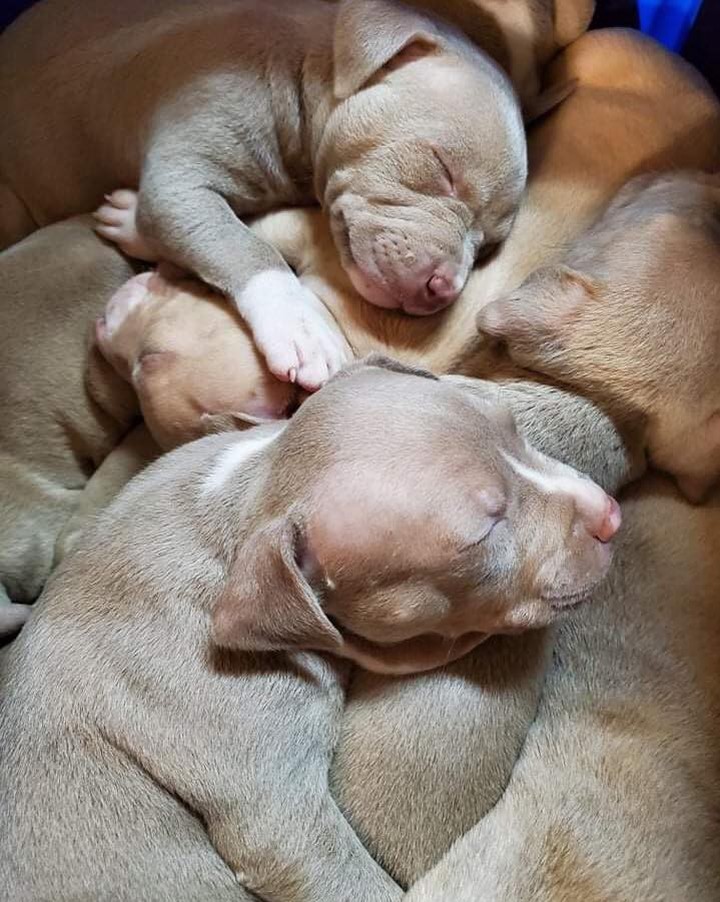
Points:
point(615, 795)
point(130, 693)
point(409, 135)
point(635, 322)
point(408, 790)
point(57, 433)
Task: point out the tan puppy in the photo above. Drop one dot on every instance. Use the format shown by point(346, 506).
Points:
point(632, 318)
point(422, 759)
point(615, 796)
point(190, 359)
point(408, 134)
point(55, 433)
point(331, 532)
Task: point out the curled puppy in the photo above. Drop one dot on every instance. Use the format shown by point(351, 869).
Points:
point(632, 319)
point(332, 532)
point(190, 359)
point(408, 134)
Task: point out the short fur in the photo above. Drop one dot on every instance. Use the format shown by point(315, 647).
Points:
point(136, 754)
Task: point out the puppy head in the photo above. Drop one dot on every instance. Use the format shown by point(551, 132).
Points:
point(634, 320)
point(423, 161)
point(404, 520)
point(189, 358)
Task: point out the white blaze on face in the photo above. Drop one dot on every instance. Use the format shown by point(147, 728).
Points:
point(234, 457)
point(563, 482)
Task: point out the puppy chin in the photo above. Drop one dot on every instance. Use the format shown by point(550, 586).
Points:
point(373, 292)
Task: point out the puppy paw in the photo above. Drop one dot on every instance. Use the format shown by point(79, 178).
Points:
point(116, 221)
point(299, 342)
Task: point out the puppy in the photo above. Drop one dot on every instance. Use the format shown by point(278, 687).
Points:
point(634, 322)
point(635, 107)
point(56, 431)
point(409, 135)
point(422, 759)
point(126, 694)
point(615, 795)
point(190, 359)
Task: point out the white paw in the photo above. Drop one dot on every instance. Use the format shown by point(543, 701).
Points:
point(300, 343)
point(116, 221)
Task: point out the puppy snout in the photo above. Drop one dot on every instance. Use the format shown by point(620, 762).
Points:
point(600, 515)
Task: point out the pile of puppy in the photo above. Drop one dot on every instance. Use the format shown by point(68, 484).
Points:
point(330, 633)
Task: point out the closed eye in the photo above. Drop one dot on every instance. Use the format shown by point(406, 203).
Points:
point(491, 526)
point(448, 181)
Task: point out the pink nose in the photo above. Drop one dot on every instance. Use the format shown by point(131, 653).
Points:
point(438, 292)
point(605, 526)
point(442, 288)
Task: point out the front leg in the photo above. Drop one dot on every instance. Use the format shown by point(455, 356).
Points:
point(195, 228)
point(246, 743)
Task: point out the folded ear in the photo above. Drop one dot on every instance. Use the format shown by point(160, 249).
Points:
point(539, 308)
point(371, 34)
point(383, 362)
point(267, 604)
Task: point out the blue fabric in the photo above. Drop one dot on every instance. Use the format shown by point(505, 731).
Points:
point(668, 21)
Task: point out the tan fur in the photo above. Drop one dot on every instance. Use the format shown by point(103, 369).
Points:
point(135, 748)
point(635, 323)
point(615, 794)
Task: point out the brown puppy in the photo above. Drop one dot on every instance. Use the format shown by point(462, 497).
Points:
point(632, 318)
point(136, 756)
point(190, 359)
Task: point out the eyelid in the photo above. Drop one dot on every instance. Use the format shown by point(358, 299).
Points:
point(495, 522)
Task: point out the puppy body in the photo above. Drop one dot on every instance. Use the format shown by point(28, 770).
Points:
point(132, 745)
point(636, 324)
point(221, 110)
point(54, 433)
point(615, 794)
point(635, 108)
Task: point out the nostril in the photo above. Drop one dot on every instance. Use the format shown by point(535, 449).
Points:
point(610, 522)
point(441, 287)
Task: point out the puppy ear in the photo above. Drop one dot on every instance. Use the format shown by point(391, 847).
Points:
point(547, 100)
point(371, 34)
point(540, 308)
point(381, 361)
point(267, 604)
point(231, 421)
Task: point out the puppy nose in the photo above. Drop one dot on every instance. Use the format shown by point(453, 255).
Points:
point(442, 287)
point(603, 525)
